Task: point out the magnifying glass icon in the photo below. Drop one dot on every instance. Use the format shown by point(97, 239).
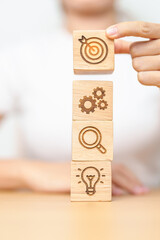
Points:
point(90, 137)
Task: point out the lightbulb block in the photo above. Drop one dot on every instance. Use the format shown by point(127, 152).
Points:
point(93, 52)
point(92, 140)
point(91, 181)
point(92, 100)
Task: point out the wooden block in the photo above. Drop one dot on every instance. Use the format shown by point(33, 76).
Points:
point(91, 181)
point(93, 52)
point(92, 100)
point(92, 140)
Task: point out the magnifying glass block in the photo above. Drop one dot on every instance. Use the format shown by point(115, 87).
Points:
point(92, 140)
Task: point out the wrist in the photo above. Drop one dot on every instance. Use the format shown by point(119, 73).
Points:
point(11, 174)
point(19, 173)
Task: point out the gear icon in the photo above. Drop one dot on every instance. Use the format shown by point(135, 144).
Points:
point(98, 93)
point(102, 104)
point(87, 104)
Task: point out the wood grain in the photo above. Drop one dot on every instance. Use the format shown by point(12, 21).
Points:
point(92, 100)
point(26, 215)
point(100, 187)
point(93, 52)
point(92, 140)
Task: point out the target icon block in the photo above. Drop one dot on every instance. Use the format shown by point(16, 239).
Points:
point(92, 140)
point(91, 181)
point(93, 52)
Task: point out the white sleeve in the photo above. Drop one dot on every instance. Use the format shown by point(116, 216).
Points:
point(6, 75)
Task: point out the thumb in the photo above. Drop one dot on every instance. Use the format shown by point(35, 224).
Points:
point(122, 46)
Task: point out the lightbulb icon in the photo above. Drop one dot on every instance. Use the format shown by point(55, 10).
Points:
point(90, 176)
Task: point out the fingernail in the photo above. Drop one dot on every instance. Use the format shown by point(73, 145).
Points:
point(140, 190)
point(112, 31)
point(145, 190)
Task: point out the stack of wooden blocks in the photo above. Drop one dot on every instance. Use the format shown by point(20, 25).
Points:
point(92, 126)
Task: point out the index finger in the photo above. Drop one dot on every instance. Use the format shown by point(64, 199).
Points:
point(137, 29)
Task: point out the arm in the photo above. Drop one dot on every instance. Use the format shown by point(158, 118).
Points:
point(34, 175)
point(48, 177)
point(10, 173)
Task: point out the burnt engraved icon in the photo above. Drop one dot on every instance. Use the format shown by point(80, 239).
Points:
point(98, 93)
point(93, 50)
point(90, 137)
point(90, 176)
point(102, 104)
point(88, 104)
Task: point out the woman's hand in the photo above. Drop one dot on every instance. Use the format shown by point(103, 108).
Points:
point(146, 54)
point(124, 181)
point(55, 177)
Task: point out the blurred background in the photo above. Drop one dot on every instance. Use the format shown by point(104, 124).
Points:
point(21, 20)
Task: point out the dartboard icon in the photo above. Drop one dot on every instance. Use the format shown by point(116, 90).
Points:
point(93, 50)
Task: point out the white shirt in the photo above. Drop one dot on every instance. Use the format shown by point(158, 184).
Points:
point(36, 82)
